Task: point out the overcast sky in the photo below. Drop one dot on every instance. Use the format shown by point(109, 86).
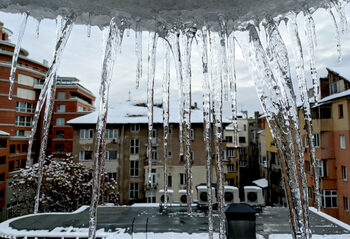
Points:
point(82, 58)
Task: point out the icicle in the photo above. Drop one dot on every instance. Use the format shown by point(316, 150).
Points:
point(279, 60)
point(60, 45)
point(337, 34)
point(189, 34)
point(339, 6)
point(50, 100)
point(152, 49)
point(89, 26)
point(110, 51)
point(203, 45)
point(233, 86)
point(217, 88)
point(311, 50)
point(166, 89)
point(38, 28)
point(138, 50)
point(299, 62)
point(16, 53)
point(224, 56)
point(273, 95)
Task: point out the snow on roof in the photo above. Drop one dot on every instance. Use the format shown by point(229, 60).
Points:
point(3, 133)
point(231, 187)
point(341, 71)
point(133, 112)
point(262, 182)
point(251, 188)
point(334, 96)
point(169, 191)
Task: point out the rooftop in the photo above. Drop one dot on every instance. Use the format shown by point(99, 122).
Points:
point(138, 222)
point(343, 72)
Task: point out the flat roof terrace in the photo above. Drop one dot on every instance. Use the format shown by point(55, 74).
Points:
point(147, 221)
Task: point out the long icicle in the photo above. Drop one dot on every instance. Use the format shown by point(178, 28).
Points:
point(299, 62)
point(16, 53)
point(274, 101)
point(166, 89)
point(204, 44)
point(152, 49)
point(337, 35)
point(60, 45)
point(50, 100)
point(225, 61)
point(110, 51)
point(279, 60)
point(138, 50)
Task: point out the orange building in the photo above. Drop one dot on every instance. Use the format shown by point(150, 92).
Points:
point(331, 126)
point(72, 100)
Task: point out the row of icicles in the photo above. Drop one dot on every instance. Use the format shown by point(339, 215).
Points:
point(271, 70)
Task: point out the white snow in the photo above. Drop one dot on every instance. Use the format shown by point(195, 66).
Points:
point(251, 188)
point(169, 191)
point(230, 187)
point(335, 96)
point(330, 218)
point(134, 112)
point(341, 71)
point(3, 133)
point(262, 182)
point(289, 236)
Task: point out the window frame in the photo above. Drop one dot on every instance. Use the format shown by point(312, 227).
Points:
point(342, 141)
point(134, 146)
point(134, 168)
point(134, 191)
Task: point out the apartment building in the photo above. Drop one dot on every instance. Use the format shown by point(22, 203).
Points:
point(17, 114)
point(331, 126)
point(128, 144)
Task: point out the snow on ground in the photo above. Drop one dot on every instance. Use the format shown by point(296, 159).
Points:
point(289, 236)
point(332, 219)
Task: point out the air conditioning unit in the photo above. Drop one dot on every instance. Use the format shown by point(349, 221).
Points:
point(231, 195)
point(169, 196)
point(253, 196)
point(203, 195)
point(183, 196)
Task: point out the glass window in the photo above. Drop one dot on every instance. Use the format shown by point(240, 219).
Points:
point(170, 154)
point(230, 152)
point(154, 153)
point(61, 95)
point(60, 134)
point(24, 148)
point(242, 140)
point(3, 160)
point(342, 142)
point(182, 179)
point(111, 155)
point(135, 127)
point(61, 108)
point(344, 173)
point(112, 134)
point(230, 167)
point(86, 133)
point(134, 146)
point(11, 166)
point(192, 134)
point(59, 147)
point(228, 139)
point(85, 155)
point(134, 168)
point(346, 204)
point(170, 183)
point(3, 143)
point(23, 120)
point(12, 148)
point(316, 140)
point(134, 190)
point(340, 111)
point(60, 121)
point(329, 199)
point(307, 163)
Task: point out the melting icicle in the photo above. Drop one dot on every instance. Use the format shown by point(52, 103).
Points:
point(152, 49)
point(110, 50)
point(138, 50)
point(38, 28)
point(299, 62)
point(275, 102)
point(60, 45)
point(217, 88)
point(311, 50)
point(203, 45)
point(16, 53)
point(337, 34)
point(279, 60)
point(166, 89)
point(224, 55)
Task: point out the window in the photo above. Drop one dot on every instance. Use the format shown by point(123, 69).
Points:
point(134, 168)
point(182, 157)
point(230, 168)
point(154, 133)
point(346, 204)
point(19, 133)
point(245, 127)
point(12, 148)
point(309, 192)
point(24, 107)
point(111, 155)
point(307, 164)
point(60, 121)
point(60, 134)
point(111, 134)
point(25, 80)
point(243, 151)
point(135, 127)
point(230, 152)
point(134, 146)
point(329, 199)
point(86, 133)
point(25, 94)
point(242, 140)
point(59, 147)
point(192, 155)
point(344, 173)
point(61, 108)
point(112, 176)
point(228, 139)
point(18, 148)
point(85, 155)
point(24, 148)
point(11, 166)
point(322, 167)
point(340, 111)
point(170, 183)
point(342, 141)
point(81, 109)
point(170, 130)
point(243, 163)
point(61, 95)
point(154, 153)
point(3, 143)
point(316, 140)
point(192, 134)
point(306, 141)
point(2, 177)
point(3, 160)
point(170, 154)
point(23, 120)
point(333, 88)
point(134, 190)
point(182, 179)
point(17, 164)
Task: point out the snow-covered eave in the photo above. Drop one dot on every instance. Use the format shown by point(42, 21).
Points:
point(166, 12)
point(333, 97)
point(342, 72)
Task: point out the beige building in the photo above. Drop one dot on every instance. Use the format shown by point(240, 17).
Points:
point(126, 157)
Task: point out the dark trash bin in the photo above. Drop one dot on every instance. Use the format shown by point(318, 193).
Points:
point(240, 219)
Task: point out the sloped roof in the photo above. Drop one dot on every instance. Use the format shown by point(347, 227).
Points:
point(344, 72)
point(335, 96)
